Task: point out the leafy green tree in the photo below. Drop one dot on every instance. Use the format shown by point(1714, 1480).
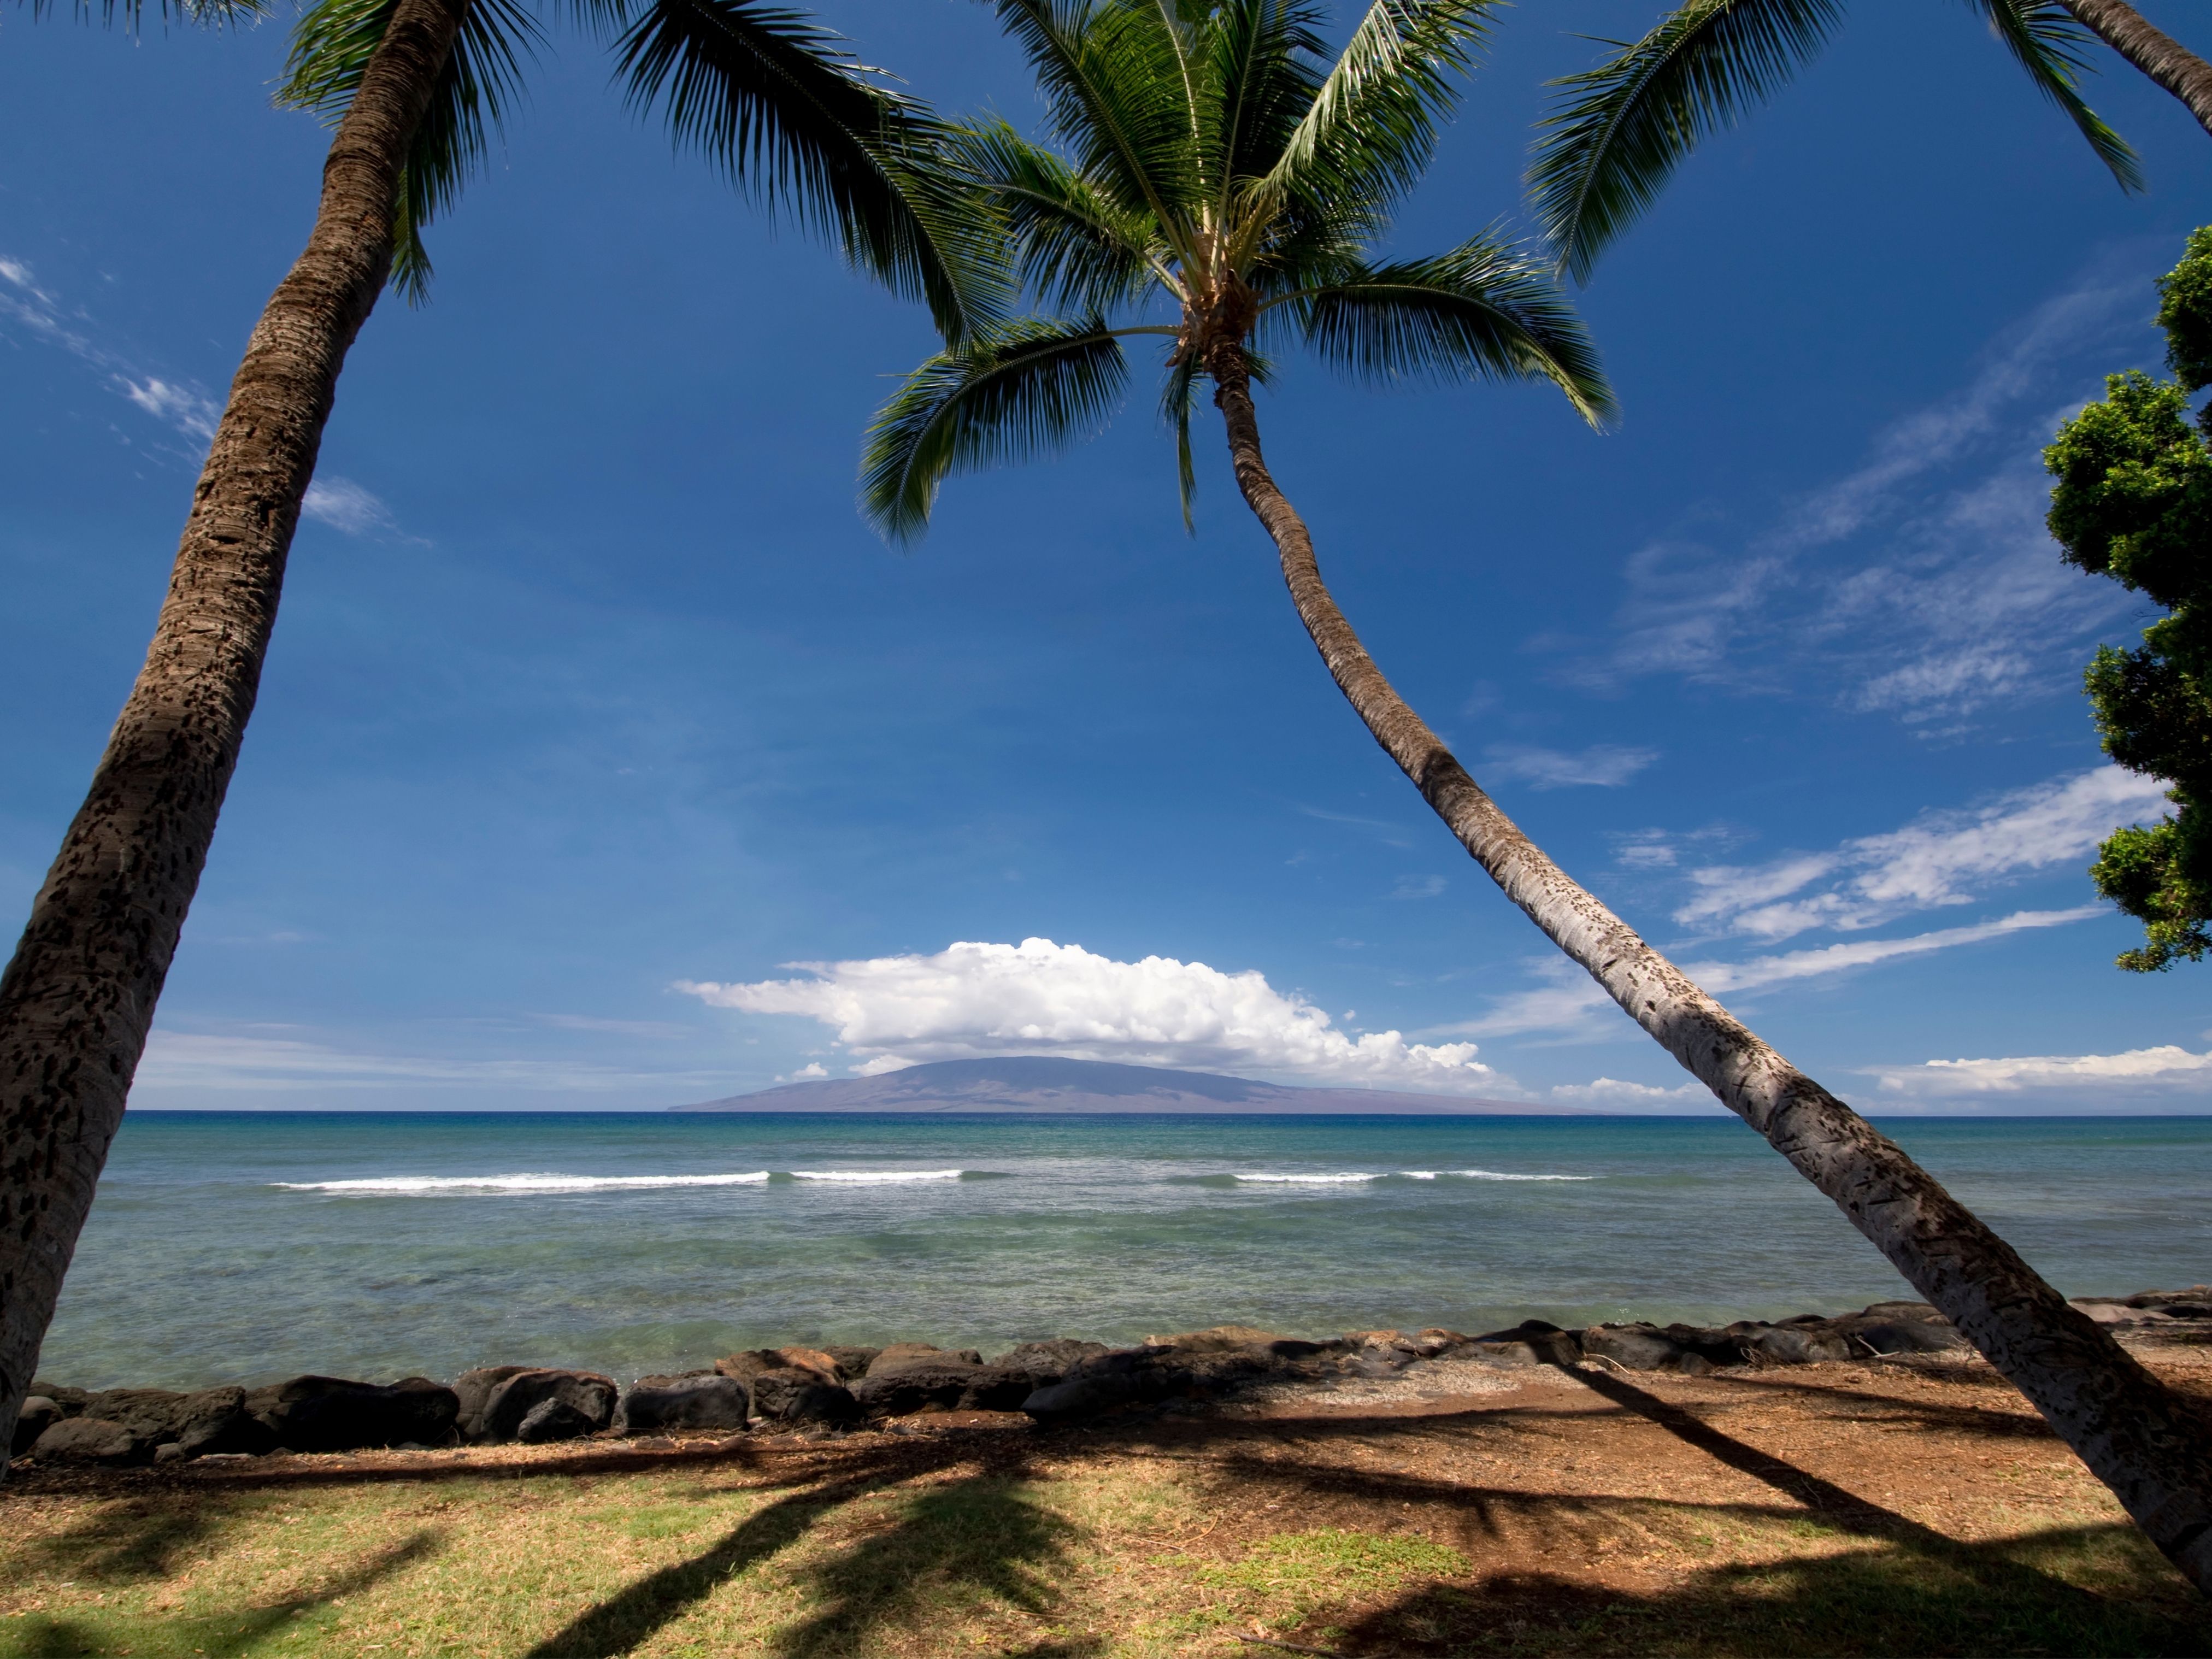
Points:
point(1218, 181)
point(412, 85)
point(2134, 502)
point(1623, 128)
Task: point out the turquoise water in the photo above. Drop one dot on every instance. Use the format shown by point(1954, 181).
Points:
point(249, 1246)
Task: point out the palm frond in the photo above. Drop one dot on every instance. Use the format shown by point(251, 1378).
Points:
point(777, 102)
point(1370, 130)
point(207, 13)
point(1020, 389)
point(1111, 75)
point(1623, 127)
point(2046, 41)
point(1266, 61)
point(1177, 397)
point(1481, 311)
point(1074, 247)
point(482, 80)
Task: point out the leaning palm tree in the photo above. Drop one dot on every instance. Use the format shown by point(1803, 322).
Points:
point(411, 85)
point(1219, 184)
point(1622, 128)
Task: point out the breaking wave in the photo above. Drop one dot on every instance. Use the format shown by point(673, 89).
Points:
point(408, 1186)
point(877, 1177)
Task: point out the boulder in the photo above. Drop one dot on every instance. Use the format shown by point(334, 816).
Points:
point(900, 1355)
point(1046, 1362)
point(1798, 1342)
point(1897, 1328)
point(852, 1362)
point(2195, 1302)
point(749, 1365)
point(820, 1361)
point(797, 1394)
point(1633, 1347)
point(587, 1398)
point(40, 1413)
point(333, 1414)
point(948, 1382)
point(1080, 1397)
point(474, 1390)
point(657, 1404)
point(89, 1440)
point(1532, 1342)
point(206, 1420)
point(71, 1401)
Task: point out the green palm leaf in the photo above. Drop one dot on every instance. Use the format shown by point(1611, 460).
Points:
point(209, 14)
point(1076, 248)
point(1626, 126)
point(1020, 389)
point(2042, 36)
point(777, 102)
point(1371, 127)
point(1481, 311)
point(482, 78)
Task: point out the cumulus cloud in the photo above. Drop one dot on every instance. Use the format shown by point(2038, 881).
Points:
point(1941, 860)
point(2168, 1071)
point(1604, 765)
point(973, 1000)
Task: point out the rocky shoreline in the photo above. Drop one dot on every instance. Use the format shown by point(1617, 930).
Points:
point(1062, 1381)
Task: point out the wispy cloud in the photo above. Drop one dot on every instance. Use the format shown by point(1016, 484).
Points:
point(1418, 887)
point(1952, 597)
point(185, 407)
point(1942, 859)
point(2169, 1070)
point(972, 1000)
point(1568, 1001)
point(1604, 765)
point(198, 1060)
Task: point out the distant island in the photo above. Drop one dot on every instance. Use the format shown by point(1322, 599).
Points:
point(1042, 1082)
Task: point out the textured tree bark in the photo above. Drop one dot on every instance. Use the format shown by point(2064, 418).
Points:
point(2157, 54)
point(2140, 1438)
point(78, 996)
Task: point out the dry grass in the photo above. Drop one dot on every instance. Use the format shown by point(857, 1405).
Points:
point(1833, 1509)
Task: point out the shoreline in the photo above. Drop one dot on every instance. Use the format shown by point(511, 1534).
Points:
point(837, 1389)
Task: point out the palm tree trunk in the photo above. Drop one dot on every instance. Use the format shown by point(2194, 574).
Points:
point(2157, 54)
point(78, 997)
point(2140, 1439)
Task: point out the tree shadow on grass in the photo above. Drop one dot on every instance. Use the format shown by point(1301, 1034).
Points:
point(1878, 1600)
point(218, 1636)
point(978, 1541)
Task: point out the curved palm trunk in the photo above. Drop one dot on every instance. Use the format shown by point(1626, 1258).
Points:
point(2138, 1437)
point(77, 998)
point(2157, 54)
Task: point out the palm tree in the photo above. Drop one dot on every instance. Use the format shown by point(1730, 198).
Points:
point(765, 94)
point(1623, 127)
point(1216, 168)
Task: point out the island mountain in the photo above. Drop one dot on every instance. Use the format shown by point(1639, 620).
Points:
point(1043, 1083)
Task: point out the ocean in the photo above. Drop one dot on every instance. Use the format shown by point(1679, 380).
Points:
point(250, 1245)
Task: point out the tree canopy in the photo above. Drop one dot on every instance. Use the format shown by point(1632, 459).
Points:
point(2134, 502)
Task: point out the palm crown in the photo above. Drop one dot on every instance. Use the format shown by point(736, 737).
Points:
point(771, 96)
point(1214, 166)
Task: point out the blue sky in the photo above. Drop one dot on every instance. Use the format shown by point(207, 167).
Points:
point(593, 705)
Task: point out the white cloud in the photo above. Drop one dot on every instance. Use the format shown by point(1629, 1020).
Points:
point(1943, 594)
point(2168, 1070)
point(345, 505)
point(185, 1059)
point(1611, 1091)
point(1569, 1001)
point(1720, 976)
point(1606, 765)
point(189, 412)
point(1418, 887)
point(971, 1000)
point(1938, 860)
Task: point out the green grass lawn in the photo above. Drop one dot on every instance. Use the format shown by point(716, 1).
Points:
point(979, 1544)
